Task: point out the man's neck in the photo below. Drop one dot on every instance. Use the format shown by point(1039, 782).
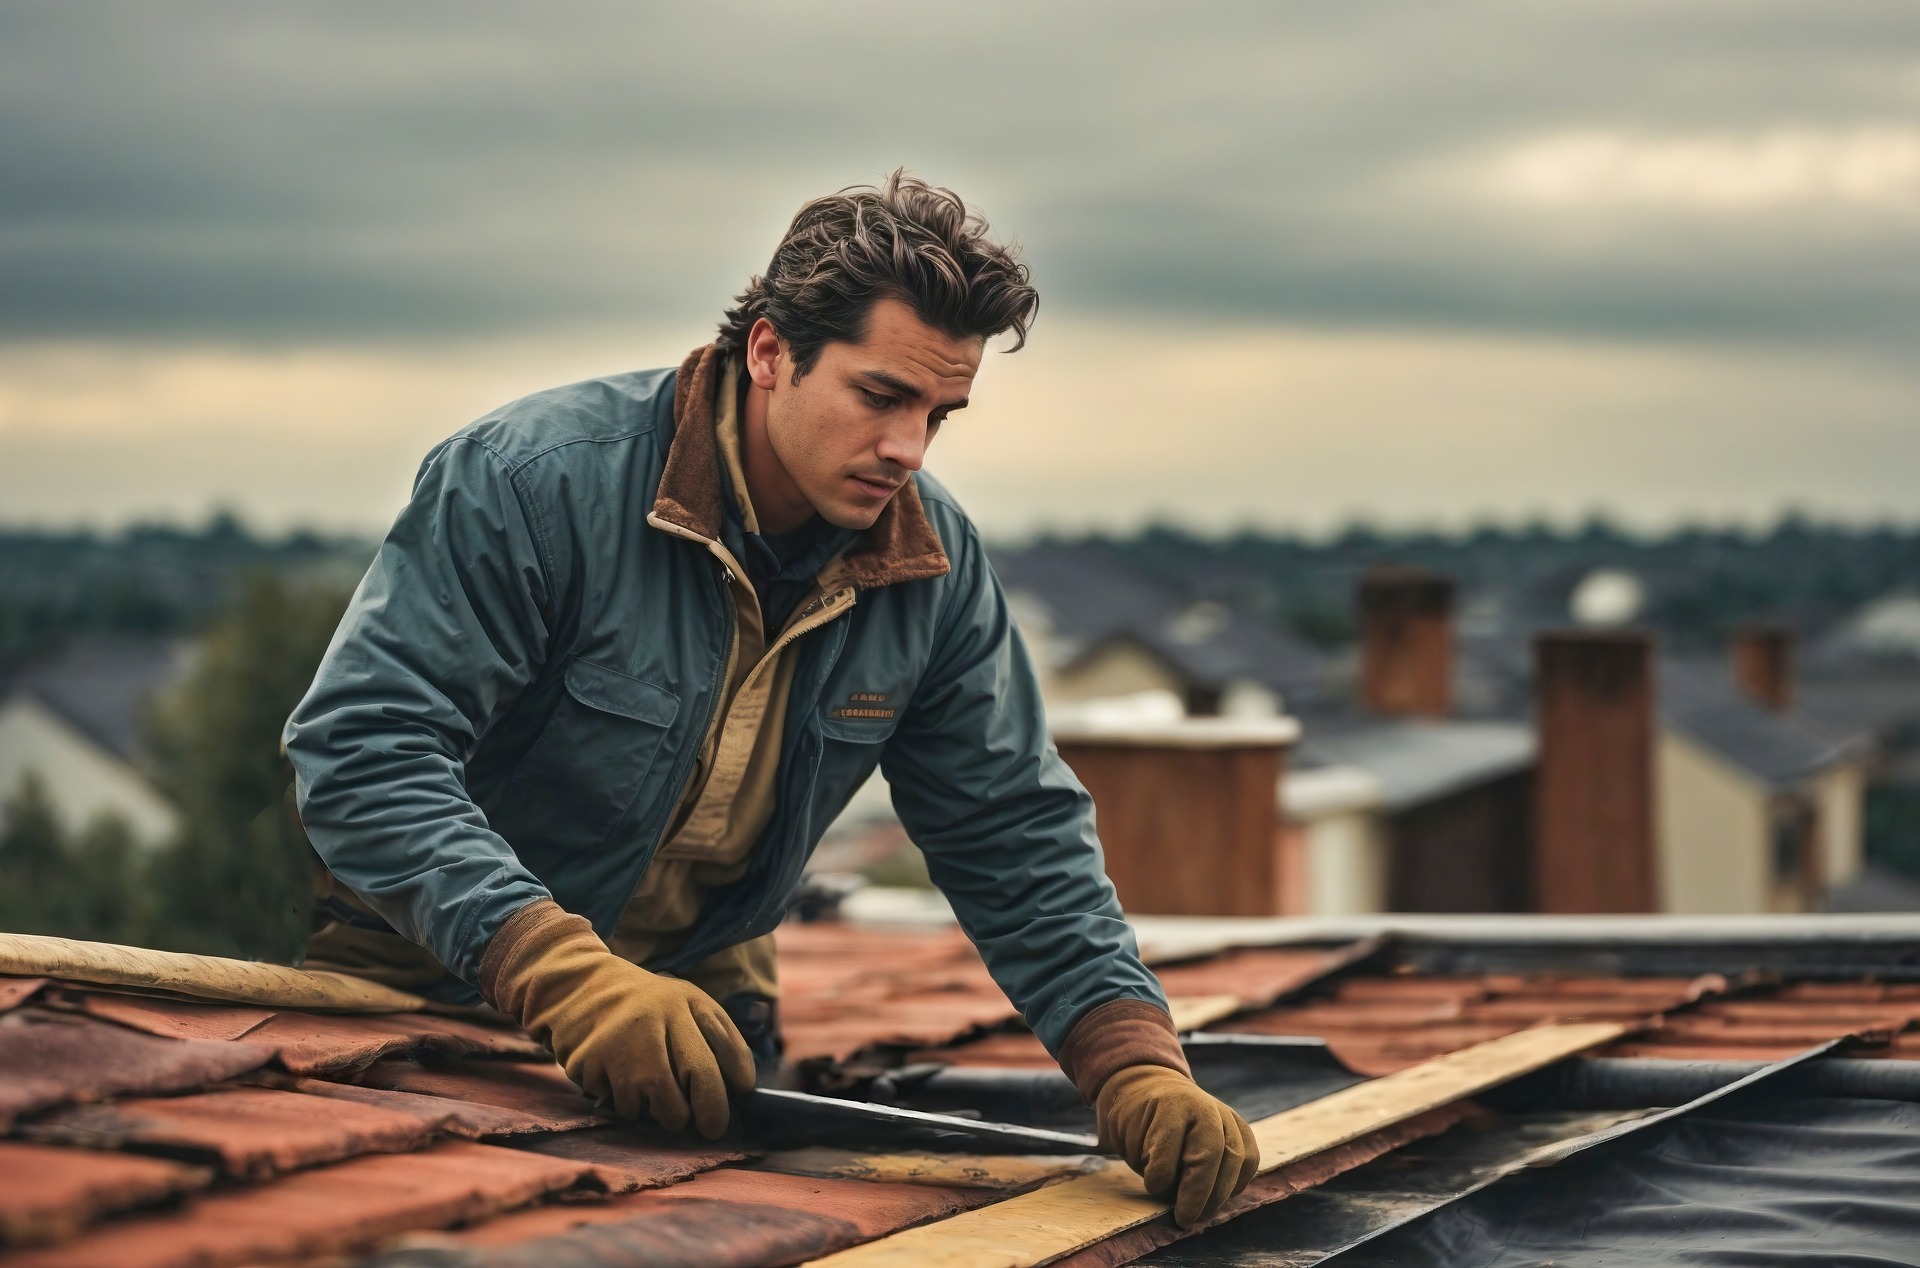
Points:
point(778, 503)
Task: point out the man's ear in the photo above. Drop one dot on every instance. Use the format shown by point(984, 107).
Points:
point(766, 352)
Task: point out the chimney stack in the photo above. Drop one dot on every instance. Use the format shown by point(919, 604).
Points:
point(1763, 666)
point(1594, 830)
point(1406, 643)
point(1189, 812)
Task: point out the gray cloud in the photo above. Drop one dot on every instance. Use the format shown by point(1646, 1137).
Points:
point(347, 171)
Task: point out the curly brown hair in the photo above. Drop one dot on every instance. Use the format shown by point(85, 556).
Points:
point(905, 240)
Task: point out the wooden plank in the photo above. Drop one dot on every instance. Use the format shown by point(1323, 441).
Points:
point(1010, 1172)
point(1035, 1228)
point(197, 976)
point(1191, 1012)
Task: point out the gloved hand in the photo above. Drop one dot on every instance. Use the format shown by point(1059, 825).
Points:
point(651, 1045)
point(1185, 1144)
point(1125, 1058)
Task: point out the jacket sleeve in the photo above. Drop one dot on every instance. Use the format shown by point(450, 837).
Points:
point(448, 625)
point(1006, 827)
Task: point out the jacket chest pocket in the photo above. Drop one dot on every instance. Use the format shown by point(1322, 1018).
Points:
point(594, 754)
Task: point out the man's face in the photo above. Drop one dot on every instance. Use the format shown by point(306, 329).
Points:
point(857, 425)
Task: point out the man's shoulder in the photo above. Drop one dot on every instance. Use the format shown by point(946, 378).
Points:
point(577, 419)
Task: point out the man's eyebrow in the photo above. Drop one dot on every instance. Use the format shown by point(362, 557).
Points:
point(900, 387)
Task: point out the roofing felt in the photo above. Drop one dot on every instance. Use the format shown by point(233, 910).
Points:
point(456, 1131)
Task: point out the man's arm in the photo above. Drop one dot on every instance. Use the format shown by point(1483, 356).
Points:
point(1008, 835)
point(448, 626)
point(445, 629)
point(1006, 828)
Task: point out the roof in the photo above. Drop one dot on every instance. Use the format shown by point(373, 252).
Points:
point(1093, 600)
point(102, 684)
point(1775, 751)
point(1694, 699)
point(162, 1131)
point(1418, 762)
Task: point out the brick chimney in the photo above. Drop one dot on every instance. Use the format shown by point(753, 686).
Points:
point(1594, 810)
point(1763, 665)
point(1189, 812)
point(1406, 643)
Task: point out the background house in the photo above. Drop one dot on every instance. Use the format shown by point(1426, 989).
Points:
point(73, 719)
point(1413, 784)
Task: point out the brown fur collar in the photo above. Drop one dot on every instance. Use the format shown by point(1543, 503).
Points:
point(901, 545)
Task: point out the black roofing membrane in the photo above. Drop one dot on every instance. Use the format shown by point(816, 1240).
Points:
point(1755, 1180)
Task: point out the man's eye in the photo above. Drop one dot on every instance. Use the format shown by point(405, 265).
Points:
point(879, 400)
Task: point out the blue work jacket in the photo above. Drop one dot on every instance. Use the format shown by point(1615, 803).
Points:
point(514, 702)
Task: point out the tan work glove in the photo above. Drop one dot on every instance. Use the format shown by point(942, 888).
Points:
point(1185, 1144)
point(1125, 1058)
point(651, 1045)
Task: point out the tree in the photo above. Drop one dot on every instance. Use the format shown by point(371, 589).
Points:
point(238, 881)
point(90, 887)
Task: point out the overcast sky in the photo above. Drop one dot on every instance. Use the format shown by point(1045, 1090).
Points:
point(1420, 262)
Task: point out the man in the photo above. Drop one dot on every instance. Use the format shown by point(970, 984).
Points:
point(633, 644)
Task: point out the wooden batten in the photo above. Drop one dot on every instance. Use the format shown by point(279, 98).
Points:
point(1040, 1227)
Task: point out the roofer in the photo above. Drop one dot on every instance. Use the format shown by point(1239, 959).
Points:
point(633, 644)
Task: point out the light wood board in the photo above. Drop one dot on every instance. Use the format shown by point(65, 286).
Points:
point(1191, 1012)
point(197, 976)
point(1038, 1227)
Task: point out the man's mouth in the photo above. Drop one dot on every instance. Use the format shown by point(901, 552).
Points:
point(876, 488)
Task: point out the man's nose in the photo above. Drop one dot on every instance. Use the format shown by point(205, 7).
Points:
point(905, 444)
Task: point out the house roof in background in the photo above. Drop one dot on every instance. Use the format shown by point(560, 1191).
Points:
point(1093, 599)
point(1774, 750)
point(1418, 762)
point(102, 684)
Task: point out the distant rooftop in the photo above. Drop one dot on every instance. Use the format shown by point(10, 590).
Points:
point(103, 683)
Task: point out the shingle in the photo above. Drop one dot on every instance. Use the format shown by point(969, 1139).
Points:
point(316, 1043)
point(15, 991)
point(175, 1019)
point(861, 1210)
point(310, 1043)
point(1255, 975)
point(49, 1194)
point(466, 1119)
point(674, 1235)
point(540, 1094)
point(247, 1132)
point(54, 1059)
point(628, 1159)
point(326, 1210)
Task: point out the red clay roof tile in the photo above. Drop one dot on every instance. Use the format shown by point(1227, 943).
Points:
point(864, 1208)
point(15, 991)
point(55, 1059)
point(326, 1210)
point(449, 1115)
point(541, 1094)
point(48, 1194)
point(320, 1043)
point(171, 1018)
point(711, 1234)
point(628, 1159)
point(248, 1132)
